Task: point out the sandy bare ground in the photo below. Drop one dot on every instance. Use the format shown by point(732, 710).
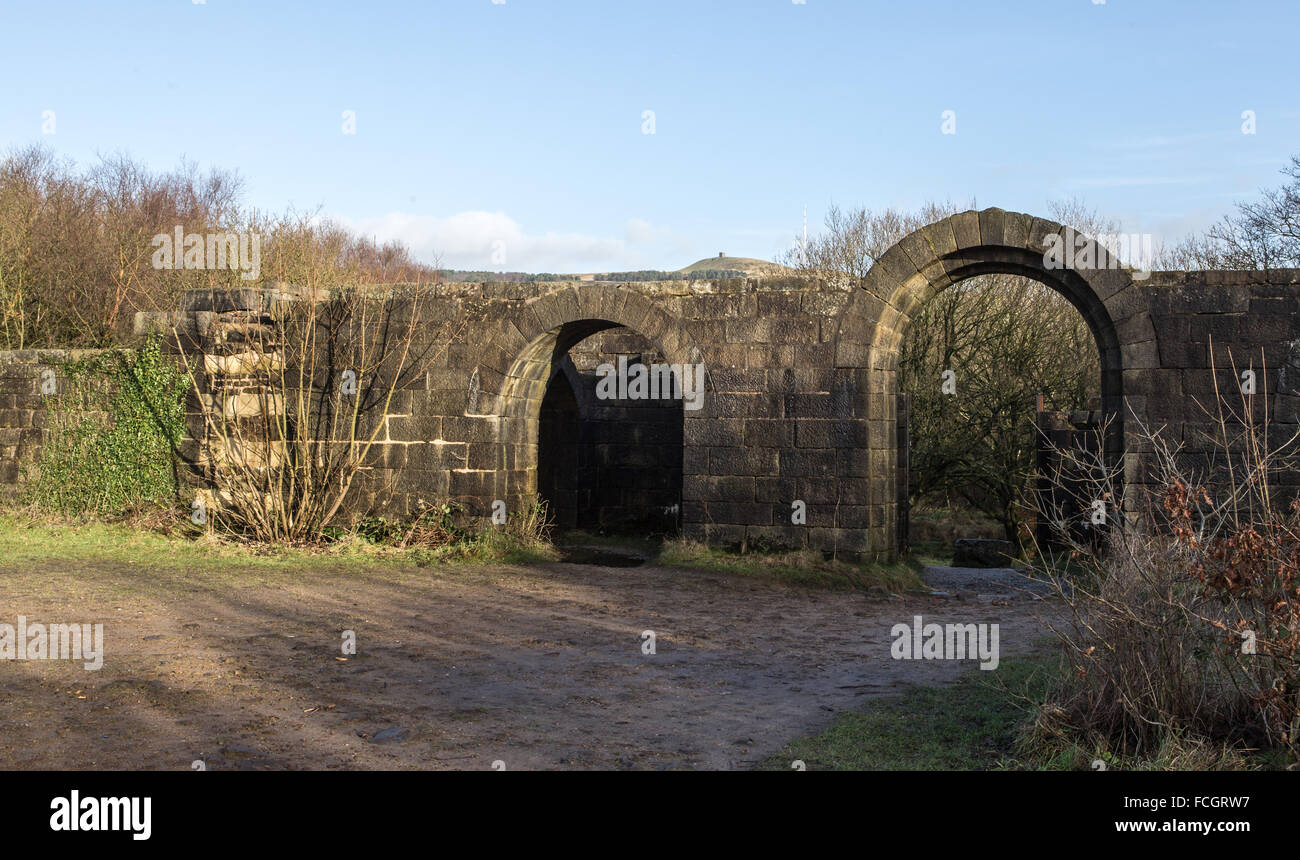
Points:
point(536, 667)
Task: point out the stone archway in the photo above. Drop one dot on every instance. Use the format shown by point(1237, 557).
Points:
point(532, 345)
point(992, 241)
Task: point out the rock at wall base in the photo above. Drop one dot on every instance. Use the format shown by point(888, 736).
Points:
point(978, 552)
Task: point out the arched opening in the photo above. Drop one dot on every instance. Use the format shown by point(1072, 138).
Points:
point(1000, 419)
point(602, 451)
point(970, 244)
point(609, 464)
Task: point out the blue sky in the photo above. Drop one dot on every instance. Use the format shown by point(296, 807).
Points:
point(522, 122)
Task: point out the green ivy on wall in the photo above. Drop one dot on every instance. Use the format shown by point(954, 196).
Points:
point(112, 434)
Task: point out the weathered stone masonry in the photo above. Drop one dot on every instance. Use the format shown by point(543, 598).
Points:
point(801, 391)
point(25, 409)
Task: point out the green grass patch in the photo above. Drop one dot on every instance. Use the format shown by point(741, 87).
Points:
point(797, 567)
point(489, 546)
point(1175, 752)
point(27, 537)
point(930, 553)
point(973, 724)
point(31, 539)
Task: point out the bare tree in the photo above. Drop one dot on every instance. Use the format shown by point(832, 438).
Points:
point(77, 245)
point(1264, 234)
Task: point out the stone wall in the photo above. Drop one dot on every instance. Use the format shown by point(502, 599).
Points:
point(801, 389)
point(1070, 471)
point(773, 427)
point(30, 380)
point(1229, 322)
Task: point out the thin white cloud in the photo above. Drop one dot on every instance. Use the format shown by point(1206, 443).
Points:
point(1137, 181)
point(640, 232)
point(493, 241)
point(496, 242)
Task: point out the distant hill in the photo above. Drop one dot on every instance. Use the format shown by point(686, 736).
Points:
point(710, 268)
point(745, 265)
point(461, 276)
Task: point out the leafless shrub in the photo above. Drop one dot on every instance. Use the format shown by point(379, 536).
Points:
point(295, 396)
point(1184, 625)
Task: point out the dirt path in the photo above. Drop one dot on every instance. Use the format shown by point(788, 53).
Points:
point(538, 667)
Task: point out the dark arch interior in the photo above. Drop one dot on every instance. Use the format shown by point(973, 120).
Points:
point(608, 465)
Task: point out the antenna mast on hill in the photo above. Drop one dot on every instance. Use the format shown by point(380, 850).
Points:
point(803, 249)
